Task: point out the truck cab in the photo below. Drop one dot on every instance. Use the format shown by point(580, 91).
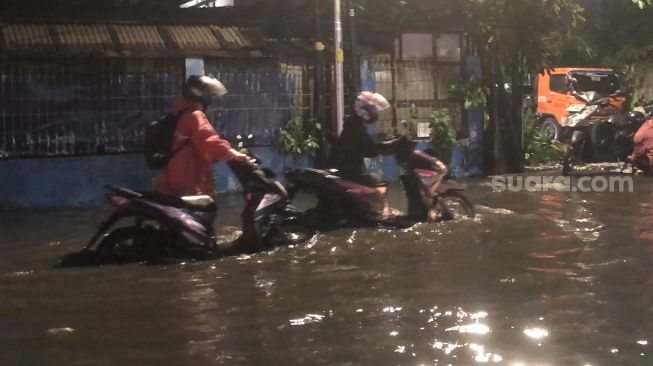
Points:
point(557, 92)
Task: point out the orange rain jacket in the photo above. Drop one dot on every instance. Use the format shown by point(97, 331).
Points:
point(190, 172)
point(643, 153)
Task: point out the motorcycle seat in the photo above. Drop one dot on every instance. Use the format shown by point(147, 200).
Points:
point(200, 202)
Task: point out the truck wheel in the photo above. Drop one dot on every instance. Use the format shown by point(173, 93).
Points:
point(550, 129)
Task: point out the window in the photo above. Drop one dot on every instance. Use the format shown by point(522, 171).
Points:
point(602, 83)
point(448, 48)
point(194, 66)
point(416, 46)
point(558, 84)
point(447, 75)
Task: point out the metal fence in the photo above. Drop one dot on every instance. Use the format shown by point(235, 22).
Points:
point(78, 107)
point(72, 108)
point(420, 87)
point(263, 96)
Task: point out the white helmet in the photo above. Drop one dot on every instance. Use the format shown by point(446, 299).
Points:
point(368, 105)
point(202, 89)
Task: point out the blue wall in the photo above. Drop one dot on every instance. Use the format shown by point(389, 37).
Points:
point(80, 181)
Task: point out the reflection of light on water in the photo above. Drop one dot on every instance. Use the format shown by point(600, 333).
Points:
point(400, 349)
point(308, 318)
point(446, 347)
point(59, 331)
point(536, 333)
point(394, 333)
point(475, 328)
point(471, 328)
point(642, 342)
point(614, 350)
point(391, 309)
point(483, 357)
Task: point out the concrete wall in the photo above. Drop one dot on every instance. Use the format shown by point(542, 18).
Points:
point(80, 181)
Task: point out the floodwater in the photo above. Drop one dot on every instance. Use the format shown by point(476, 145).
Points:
point(538, 279)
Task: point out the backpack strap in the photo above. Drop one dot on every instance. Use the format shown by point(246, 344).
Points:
point(183, 145)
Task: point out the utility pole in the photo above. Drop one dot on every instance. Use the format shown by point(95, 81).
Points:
point(319, 95)
point(353, 48)
point(339, 59)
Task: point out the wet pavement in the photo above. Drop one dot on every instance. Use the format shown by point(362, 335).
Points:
point(537, 279)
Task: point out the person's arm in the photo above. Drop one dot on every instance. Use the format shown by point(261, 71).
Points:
point(373, 148)
point(206, 141)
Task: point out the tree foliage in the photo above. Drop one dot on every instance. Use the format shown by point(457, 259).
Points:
point(299, 137)
point(515, 38)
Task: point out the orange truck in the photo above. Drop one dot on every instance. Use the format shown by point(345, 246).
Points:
point(561, 92)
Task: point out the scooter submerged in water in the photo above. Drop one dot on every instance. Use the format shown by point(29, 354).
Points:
point(164, 227)
point(152, 227)
point(342, 203)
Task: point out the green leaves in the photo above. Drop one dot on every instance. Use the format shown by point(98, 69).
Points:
point(472, 93)
point(299, 137)
point(538, 149)
point(443, 136)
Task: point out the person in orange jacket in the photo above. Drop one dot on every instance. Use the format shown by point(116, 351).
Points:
point(189, 172)
point(642, 156)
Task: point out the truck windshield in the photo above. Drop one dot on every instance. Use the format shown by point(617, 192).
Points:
point(602, 83)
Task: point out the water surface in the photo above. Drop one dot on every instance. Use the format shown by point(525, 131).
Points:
point(538, 279)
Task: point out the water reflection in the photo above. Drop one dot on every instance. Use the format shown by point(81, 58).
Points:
point(536, 333)
point(552, 279)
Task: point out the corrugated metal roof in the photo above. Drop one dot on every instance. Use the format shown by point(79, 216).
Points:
point(127, 40)
point(27, 36)
point(134, 36)
point(193, 37)
point(232, 37)
point(88, 37)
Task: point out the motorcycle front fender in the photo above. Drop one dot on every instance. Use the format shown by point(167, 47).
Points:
point(107, 224)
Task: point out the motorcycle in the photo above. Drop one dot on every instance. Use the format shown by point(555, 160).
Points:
point(596, 139)
point(342, 203)
point(594, 109)
point(162, 227)
point(171, 227)
point(268, 217)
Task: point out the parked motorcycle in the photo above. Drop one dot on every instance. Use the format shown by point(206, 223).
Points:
point(596, 108)
point(342, 203)
point(599, 139)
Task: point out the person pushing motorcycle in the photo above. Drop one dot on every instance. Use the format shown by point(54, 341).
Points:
point(189, 172)
point(355, 144)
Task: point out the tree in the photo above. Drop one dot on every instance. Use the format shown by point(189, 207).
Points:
point(515, 38)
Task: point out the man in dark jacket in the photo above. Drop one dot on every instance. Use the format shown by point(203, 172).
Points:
point(355, 144)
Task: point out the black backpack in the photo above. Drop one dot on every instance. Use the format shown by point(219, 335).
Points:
point(159, 136)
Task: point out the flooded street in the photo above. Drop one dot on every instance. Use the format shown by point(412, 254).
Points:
point(537, 279)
